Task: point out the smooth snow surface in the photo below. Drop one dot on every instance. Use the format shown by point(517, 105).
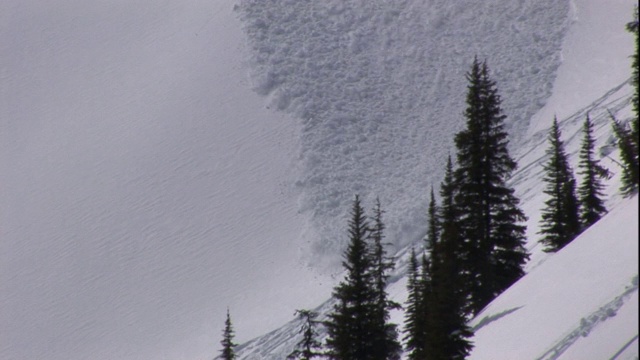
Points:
point(145, 187)
point(578, 290)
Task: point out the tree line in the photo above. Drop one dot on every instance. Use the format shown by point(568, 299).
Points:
point(474, 248)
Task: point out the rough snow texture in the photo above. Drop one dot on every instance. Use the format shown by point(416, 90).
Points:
point(582, 302)
point(379, 87)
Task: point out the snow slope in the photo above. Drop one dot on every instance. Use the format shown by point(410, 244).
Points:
point(582, 302)
point(144, 185)
point(589, 285)
point(148, 178)
point(378, 87)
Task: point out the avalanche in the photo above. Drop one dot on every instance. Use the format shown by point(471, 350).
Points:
point(162, 161)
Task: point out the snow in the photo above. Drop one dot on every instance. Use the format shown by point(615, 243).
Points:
point(162, 161)
point(552, 302)
point(378, 86)
point(145, 186)
point(582, 302)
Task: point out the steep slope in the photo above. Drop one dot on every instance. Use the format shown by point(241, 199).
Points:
point(569, 315)
point(378, 87)
point(144, 185)
point(565, 297)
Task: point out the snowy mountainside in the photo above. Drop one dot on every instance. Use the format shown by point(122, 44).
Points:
point(378, 86)
point(144, 187)
point(545, 292)
point(547, 315)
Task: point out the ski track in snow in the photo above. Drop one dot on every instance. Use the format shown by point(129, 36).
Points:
point(528, 184)
point(379, 87)
point(590, 322)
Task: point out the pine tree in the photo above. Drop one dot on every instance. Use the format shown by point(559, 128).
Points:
point(491, 223)
point(434, 223)
point(227, 352)
point(446, 332)
point(309, 347)
point(633, 27)
point(629, 156)
point(385, 334)
point(414, 314)
point(350, 325)
point(590, 192)
point(628, 138)
point(560, 220)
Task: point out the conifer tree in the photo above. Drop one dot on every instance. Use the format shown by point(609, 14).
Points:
point(629, 156)
point(633, 27)
point(415, 339)
point(590, 192)
point(350, 324)
point(434, 223)
point(560, 220)
point(227, 352)
point(309, 347)
point(447, 334)
point(385, 334)
point(491, 223)
point(426, 289)
point(628, 138)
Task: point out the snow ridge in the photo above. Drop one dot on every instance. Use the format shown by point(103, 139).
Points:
point(379, 87)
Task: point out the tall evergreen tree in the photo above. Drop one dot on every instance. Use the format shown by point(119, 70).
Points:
point(309, 347)
point(628, 137)
point(629, 156)
point(414, 329)
point(227, 352)
point(385, 334)
point(590, 192)
point(433, 233)
point(633, 27)
point(560, 218)
point(350, 324)
point(491, 223)
point(447, 334)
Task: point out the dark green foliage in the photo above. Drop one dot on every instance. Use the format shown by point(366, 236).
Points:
point(629, 156)
point(434, 223)
point(385, 334)
point(629, 137)
point(632, 27)
point(414, 313)
point(227, 352)
point(309, 347)
point(355, 329)
point(491, 222)
point(590, 192)
point(447, 334)
point(560, 220)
